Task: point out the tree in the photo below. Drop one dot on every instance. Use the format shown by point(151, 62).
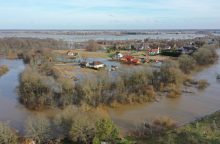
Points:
point(205, 56)
point(92, 46)
point(186, 63)
point(82, 130)
point(7, 136)
point(106, 130)
point(39, 129)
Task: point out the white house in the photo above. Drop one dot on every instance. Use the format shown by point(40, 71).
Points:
point(118, 55)
point(70, 53)
point(97, 65)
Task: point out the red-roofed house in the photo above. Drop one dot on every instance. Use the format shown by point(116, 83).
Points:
point(154, 51)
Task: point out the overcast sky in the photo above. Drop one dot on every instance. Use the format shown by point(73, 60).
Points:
point(109, 14)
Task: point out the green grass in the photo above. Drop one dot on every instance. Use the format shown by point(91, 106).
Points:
point(204, 131)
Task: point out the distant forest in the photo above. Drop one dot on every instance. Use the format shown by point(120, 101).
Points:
point(31, 43)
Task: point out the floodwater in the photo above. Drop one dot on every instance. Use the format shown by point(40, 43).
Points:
point(80, 38)
point(184, 109)
point(10, 109)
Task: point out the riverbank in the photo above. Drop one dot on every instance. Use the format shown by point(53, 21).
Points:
point(203, 131)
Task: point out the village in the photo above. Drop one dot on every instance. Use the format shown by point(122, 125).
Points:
point(110, 56)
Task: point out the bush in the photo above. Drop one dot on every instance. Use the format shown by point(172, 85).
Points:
point(38, 91)
point(76, 125)
point(3, 69)
point(31, 43)
point(165, 122)
point(92, 46)
point(173, 91)
point(126, 88)
point(82, 130)
point(186, 63)
point(202, 84)
point(39, 129)
point(205, 56)
point(34, 93)
point(7, 135)
point(106, 131)
point(154, 130)
point(169, 73)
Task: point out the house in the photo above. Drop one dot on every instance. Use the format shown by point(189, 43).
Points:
point(84, 64)
point(118, 55)
point(96, 65)
point(154, 51)
point(167, 47)
point(130, 60)
point(188, 49)
point(70, 53)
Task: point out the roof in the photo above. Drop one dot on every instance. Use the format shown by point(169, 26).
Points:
point(128, 57)
point(154, 50)
point(97, 63)
point(189, 48)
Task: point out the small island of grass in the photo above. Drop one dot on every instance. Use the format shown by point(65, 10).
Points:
point(3, 70)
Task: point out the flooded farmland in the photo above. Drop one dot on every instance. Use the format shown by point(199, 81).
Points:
point(184, 109)
point(74, 37)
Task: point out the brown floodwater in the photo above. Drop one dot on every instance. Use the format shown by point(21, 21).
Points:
point(184, 109)
point(11, 111)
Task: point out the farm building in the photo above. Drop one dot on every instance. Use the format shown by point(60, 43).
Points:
point(118, 55)
point(94, 65)
point(154, 51)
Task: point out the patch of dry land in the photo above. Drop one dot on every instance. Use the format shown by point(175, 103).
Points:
point(3, 69)
point(83, 53)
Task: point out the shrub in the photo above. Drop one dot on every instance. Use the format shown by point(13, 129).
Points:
point(74, 124)
point(82, 130)
point(38, 129)
point(92, 46)
point(202, 84)
point(34, 93)
point(186, 63)
point(66, 95)
point(173, 91)
point(106, 131)
point(38, 91)
point(169, 73)
point(7, 135)
point(125, 88)
point(3, 69)
point(31, 43)
point(205, 56)
point(165, 122)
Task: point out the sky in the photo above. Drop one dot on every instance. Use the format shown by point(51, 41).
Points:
point(109, 14)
